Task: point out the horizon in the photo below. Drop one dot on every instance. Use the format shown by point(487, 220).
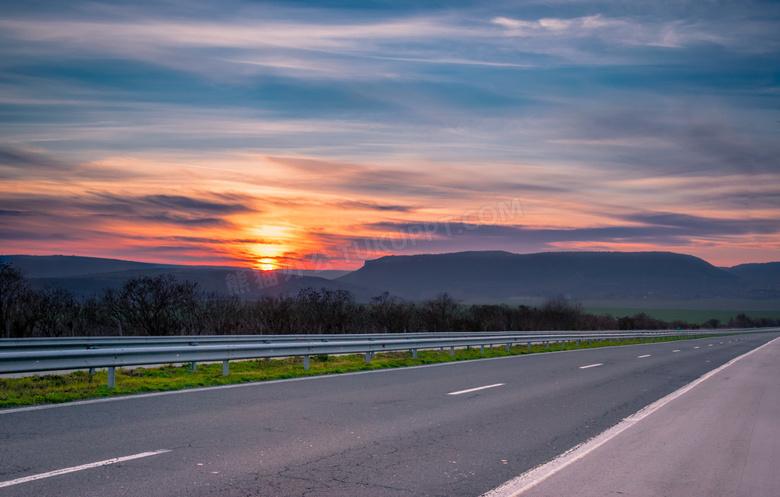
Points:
point(388, 255)
point(289, 135)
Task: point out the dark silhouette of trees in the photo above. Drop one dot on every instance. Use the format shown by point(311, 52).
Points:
point(14, 295)
point(391, 314)
point(440, 314)
point(159, 305)
point(163, 305)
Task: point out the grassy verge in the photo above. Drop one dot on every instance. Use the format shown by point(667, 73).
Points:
point(80, 385)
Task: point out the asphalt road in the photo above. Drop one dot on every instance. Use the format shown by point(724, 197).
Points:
point(389, 433)
point(720, 439)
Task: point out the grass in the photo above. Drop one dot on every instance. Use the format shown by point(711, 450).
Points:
point(80, 385)
point(687, 315)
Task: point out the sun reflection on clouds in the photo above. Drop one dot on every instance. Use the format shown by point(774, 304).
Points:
point(273, 243)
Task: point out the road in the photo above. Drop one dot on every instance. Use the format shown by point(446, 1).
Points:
point(721, 439)
point(458, 429)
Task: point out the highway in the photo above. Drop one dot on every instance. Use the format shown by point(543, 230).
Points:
point(455, 429)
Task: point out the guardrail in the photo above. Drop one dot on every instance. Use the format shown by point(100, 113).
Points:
point(151, 351)
point(14, 344)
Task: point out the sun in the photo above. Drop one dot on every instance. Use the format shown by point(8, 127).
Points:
point(274, 244)
point(267, 264)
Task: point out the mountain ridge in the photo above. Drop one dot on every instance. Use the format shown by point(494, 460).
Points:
point(472, 275)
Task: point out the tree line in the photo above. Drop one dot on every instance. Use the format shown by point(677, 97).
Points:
point(162, 305)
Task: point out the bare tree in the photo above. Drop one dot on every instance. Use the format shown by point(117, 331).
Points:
point(158, 305)
point(14, 293)
point(440, 313)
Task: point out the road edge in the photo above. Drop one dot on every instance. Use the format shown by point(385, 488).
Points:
point(531, 478)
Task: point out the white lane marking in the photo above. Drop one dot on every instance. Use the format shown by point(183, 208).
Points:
point(709, 345)
point(697, 347)
point(676, 350)
point(592, 365)
point(643, 356)
point(519, 485)
point(325, 377)
point(469, 390)
point(82, 467)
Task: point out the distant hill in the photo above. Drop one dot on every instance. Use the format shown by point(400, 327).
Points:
point(89, 276)
point(605, 277)
point(761, 280)
point(58, 266)
point(579, 275)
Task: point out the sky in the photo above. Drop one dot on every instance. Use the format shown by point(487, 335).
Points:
point(320, 134)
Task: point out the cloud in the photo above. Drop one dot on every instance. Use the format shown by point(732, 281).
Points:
point(694, 226)
point(655, 227)
point(122, 121)
point(18, 159)
point(361, 205)
point(667, 34)
point(211, 204)
point(84, 210)
point(20, 163)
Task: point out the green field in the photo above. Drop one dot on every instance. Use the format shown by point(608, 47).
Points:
point(687, 315)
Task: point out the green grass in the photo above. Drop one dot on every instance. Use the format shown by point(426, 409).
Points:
point(688, 315)
point(79, 385)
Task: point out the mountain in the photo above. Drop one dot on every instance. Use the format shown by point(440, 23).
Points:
point(760, 280)
point(468, 276)
point(579, 275)
point(58, 266)
point(89, 276)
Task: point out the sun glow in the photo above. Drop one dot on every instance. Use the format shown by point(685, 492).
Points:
point(267, 264)
point(275, 241)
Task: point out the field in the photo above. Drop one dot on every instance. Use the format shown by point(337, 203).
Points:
point(688, 315)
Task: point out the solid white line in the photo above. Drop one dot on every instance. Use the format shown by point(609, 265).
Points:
point(476, 389)
point(517, 486)
point(643, 356)
point(592, 365)
point(73, 469)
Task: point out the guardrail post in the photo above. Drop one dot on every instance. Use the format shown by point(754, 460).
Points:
point(452, 351)
point(481, 349)
point(306, 363)
point(414, 353)
point(508, 347)
point(225, 368)
point(111, 377)
point(193, 366)
point(367, 357)
point(530, 346)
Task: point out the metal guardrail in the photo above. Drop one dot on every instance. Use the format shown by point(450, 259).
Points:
point(151, 351)
point(19, 344)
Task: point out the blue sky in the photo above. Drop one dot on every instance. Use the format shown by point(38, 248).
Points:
point(613, 121)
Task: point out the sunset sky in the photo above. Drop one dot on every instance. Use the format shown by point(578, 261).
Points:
point(317, 135)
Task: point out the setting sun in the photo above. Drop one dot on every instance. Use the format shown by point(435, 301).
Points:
point(267, 264)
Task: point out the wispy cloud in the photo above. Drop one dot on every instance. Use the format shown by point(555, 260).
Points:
point(179, 130)
point(669, 34)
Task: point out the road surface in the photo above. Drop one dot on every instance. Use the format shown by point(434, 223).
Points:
point(458, 429)
point(721, 439)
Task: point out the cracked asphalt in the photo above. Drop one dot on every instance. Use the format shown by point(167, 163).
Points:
point(386, 433)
